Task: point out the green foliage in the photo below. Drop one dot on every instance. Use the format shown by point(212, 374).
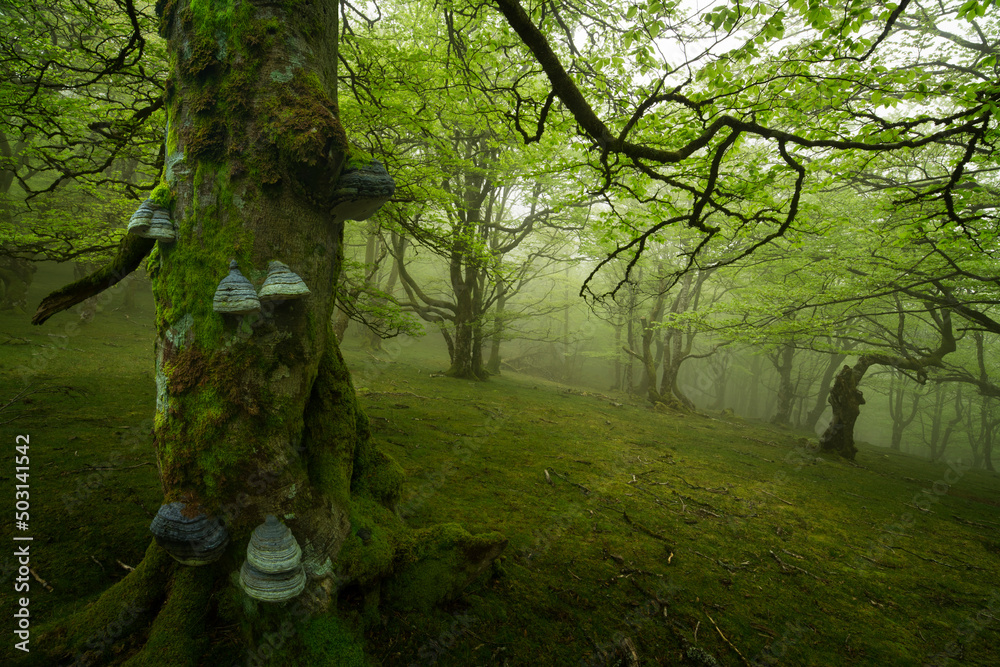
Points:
point(80, 125)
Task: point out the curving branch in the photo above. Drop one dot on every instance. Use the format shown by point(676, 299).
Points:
point(131, 251)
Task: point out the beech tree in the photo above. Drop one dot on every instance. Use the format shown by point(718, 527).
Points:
point(256, 415)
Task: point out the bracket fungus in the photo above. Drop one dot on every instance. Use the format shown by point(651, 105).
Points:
point(197, 540)
point(161, 227)
point(235, 294)
point(361, 190)
point(273, 569)
point(139, 223)
point(281, 283)
point(152, 222)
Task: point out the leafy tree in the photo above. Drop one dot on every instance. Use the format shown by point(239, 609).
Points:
point(256, 414)
point(816, 94)
point(79, 84)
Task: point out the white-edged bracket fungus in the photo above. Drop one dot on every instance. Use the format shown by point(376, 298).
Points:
point(281, 283)
point(235, 294)
point(161, 227)
point(152, 222)
point(139, 223)
point(361, 190)
point(197, 540)
point(273, 569)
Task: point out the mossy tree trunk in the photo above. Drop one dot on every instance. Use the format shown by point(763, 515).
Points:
point(846, 400)
point(256, 414)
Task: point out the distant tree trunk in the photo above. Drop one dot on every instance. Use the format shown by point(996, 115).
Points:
point(936, 417)
point(627, 375)
point(370, 339)
point(721, 380)
point(466, 351)
point(645, 358)
point(988, 425)
point(900, 420)
point(846, 399)
point(341, 319)
point(988, 444)
point(786, 392)
point(824, 391)
point(340, 323)
point(16, 276)
point(950, 428)
point(617, 364)
point(448, 341)
point(493, 365)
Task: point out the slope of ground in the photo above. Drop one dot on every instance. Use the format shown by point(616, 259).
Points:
point(676, 539)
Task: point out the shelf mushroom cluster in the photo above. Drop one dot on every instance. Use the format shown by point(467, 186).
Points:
point(361, 190)
point(236, 295)
point(272, 571)
point(199, 539)
point(152, 221)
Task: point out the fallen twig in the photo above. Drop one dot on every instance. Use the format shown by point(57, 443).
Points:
point(776, 497)
point(585, 490)
point(368, 394)
point(39, 579)
point(919, 508)
point(643, 529)
point(731, 645)
point(785, 566)
point(975, 523)
point(929, 560)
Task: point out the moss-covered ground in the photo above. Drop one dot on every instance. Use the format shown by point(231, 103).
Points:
point(686, 539)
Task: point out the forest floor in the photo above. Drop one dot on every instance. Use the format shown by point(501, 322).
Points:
point(686, 539)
